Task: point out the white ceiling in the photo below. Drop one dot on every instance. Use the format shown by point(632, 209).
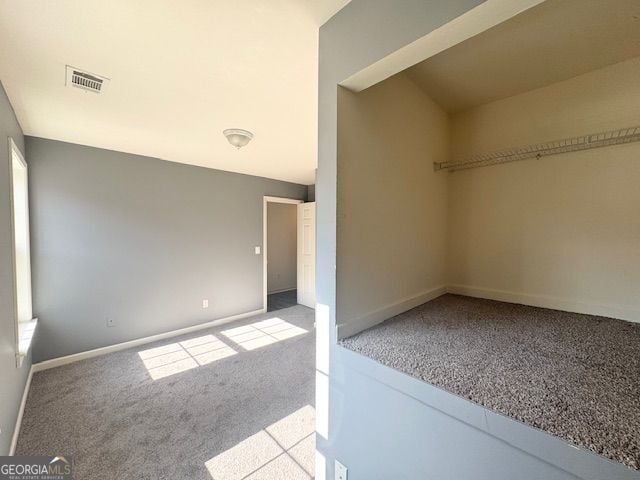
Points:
point(180, 73)
point(553, 41)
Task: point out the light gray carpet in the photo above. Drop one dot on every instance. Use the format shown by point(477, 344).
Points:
point(574, 376)
point(226, 403)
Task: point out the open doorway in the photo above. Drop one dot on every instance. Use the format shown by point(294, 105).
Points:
point(289, 253)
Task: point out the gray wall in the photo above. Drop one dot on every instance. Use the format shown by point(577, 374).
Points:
point(141, 241)
point(388, 425)
point(12, 379)
point(383, 424)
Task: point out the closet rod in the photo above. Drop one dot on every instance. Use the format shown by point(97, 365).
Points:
point(572, 144)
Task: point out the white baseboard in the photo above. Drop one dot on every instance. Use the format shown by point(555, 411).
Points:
point(373, 318)
point(57, 362)
point(622, 312)
point(23, 402)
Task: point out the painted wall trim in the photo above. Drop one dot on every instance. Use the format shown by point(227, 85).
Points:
point(57, 362)
point(622, 312)
point(378, 316)
point(23, 402)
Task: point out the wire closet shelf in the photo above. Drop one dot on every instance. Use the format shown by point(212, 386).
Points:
point(566, 145)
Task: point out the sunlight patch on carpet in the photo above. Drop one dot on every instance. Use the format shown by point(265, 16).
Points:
point(284, 449)
point(263, 333)
point(179, 357)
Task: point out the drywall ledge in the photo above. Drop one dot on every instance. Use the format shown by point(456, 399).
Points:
point(548, 369)
point(476, 441)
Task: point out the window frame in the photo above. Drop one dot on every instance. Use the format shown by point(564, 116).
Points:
point(23, 329)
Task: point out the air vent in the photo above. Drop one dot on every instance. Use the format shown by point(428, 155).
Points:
point(85, 80)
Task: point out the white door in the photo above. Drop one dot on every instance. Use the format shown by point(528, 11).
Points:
point(307, 254)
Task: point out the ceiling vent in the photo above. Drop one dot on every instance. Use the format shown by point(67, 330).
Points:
point(85, 80)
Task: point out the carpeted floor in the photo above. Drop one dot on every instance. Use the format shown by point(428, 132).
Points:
point(229, 403)
point(280, 300)
point(574, 376)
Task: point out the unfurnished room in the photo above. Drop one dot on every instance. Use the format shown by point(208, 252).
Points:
point(320, 239)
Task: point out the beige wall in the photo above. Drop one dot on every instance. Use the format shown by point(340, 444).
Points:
point(281, 247)
point(391, 209)
point(562, 231)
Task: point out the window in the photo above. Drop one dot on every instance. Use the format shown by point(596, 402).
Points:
point(25, 324)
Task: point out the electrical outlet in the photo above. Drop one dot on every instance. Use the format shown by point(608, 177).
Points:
point(205, 303)
point(340, 471)
point(111, 322)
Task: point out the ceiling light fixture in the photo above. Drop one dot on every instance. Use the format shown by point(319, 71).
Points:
point(238, 137)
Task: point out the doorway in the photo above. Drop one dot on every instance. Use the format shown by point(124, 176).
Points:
point(289, 253)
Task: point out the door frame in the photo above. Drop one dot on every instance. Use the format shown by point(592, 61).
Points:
point(265, 201)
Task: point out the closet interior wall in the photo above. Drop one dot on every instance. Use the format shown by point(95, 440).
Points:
point(561, 231)
point(558, 232)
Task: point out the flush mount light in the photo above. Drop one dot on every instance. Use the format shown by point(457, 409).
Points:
point(238, 137)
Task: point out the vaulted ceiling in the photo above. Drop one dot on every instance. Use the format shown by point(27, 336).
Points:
point(180, 73)
point(553, 41)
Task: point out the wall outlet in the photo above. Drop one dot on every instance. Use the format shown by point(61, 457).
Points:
point(340, 471)
point(257, 249)
point(111, 322)
point(205, 303)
